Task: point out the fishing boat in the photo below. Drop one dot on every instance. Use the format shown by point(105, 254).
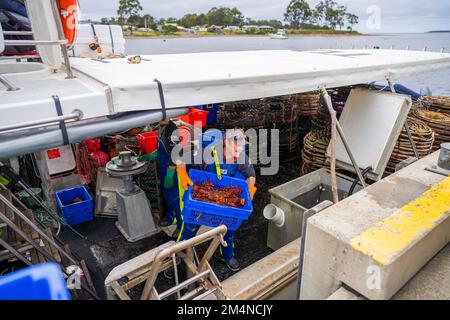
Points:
point(321, 246)
point(280, 35)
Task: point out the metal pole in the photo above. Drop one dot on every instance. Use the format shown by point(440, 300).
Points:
point(7, 84)
point(60, 30)
point(16, 253)
point(19, 231)
point(26, 125)
point(34, 42)
point(184, 284)
point(24, 57)
point(18, 33)
point(37, 229)
point(183, 245)
point(342, 136)
point(38, 247)
point(406, 125)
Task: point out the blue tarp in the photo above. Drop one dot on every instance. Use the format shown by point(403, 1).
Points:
point(14, 6)
point(399, 89)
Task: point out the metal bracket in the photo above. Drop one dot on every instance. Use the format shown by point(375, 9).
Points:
point(406, 125)
point(329, 105)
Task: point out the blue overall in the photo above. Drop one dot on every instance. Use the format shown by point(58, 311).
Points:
point(171, 195)
point(190, 230)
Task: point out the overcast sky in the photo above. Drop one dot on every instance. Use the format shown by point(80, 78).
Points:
point(395, 15)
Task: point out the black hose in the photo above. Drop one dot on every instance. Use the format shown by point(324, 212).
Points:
point(355, 182)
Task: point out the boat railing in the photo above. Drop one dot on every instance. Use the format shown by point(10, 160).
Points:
point(62, 42)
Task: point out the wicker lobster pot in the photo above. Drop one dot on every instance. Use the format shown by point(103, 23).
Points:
point(438, 122)
point(423, 137)
point(314, 152)
point(437, 104)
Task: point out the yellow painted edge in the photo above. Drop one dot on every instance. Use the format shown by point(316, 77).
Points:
point(392, 235)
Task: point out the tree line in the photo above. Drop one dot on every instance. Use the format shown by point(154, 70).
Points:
point(327, 14)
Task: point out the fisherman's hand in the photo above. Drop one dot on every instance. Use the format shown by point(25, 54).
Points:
point(183, 177)
point(168, 180)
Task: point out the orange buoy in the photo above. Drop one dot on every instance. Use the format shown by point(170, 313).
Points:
point(68, 11)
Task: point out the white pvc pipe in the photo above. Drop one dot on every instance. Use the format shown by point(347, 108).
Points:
point(274, 214)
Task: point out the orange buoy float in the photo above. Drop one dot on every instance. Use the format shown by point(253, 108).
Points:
point(68, 11)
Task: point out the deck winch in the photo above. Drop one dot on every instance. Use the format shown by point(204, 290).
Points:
point(135, 216)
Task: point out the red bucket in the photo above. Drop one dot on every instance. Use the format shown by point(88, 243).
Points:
point(186, 118)
point(185, 136)
point(198, 116)
point(148, 141)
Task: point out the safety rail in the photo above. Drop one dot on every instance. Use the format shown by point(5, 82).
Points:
point(34, 233)
point(147, 267)
point(9, 86)
point(76, 115)
point(18, 33)
point(62, 42)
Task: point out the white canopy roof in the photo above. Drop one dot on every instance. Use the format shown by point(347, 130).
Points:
point(115, 86)
point(201, 78)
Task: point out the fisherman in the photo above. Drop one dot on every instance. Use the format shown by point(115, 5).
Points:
point(169, 137)
point(234, 150)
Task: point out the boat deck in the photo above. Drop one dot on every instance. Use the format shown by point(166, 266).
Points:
point(107, 248)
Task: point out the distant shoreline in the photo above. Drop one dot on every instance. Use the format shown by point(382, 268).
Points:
point(138, 35)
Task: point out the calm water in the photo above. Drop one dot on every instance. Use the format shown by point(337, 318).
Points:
point(438, 82)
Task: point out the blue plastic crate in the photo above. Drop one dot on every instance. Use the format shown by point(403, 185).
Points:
point(213, 111)
point(79, 212)
point(40, 282)
point(213, 215)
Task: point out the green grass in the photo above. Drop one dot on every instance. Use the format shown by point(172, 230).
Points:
point(321, 31)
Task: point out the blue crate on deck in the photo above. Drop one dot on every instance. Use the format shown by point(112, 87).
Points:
point(213, 215)
point(39, 282)
point(213, 110)
point(79, 212)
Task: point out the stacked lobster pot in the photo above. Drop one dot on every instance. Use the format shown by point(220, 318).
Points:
point(308, 103)
point(242, 114)
point(283, 115)
point(313, 154)
point(423, 137)
point(248, 114)
point(271, 113)
point(439, 122)
point(316, 142)
point(437, 103)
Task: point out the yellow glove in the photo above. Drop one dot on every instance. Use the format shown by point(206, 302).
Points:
point(252, 189)
point(183, 177)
